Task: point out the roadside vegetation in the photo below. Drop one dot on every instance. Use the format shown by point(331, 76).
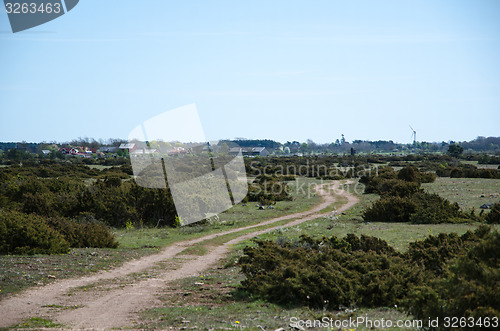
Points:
point(386, 267)
point(415, 221)
point(220, 297)
point(47, 256)
point(402, 199)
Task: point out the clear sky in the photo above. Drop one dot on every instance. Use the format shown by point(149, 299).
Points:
point(283, 70)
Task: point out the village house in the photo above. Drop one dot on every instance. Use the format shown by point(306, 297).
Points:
point(77, 151)
point(178, 151)
point(130, 147)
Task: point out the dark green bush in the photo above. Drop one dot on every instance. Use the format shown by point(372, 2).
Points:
point(397, 187)
point(468, 171)
point(493, 217)
point(433, 209)
point(419, 207)
point(107, 203)
point(402, 200)
point(85, 233)
point(110, 199)
point(390, 209)
point(335, 272)
point(443, 172)
point(444, 275)
point(371, 182)
point(434, 252)
point(29, 234)
point(413, 174)
point(470, 288)
point(409, 174)
point(113, 181)
point(427, 177)
point(402, 183)
point(267, 190)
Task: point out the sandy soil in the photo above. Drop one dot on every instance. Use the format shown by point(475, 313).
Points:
point(114, 298)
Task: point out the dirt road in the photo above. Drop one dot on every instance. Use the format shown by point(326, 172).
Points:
point(115, 297)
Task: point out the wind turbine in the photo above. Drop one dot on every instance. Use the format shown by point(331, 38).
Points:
point(414, 136)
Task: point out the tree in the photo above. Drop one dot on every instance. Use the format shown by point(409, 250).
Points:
point(55, 154)
point(154, 144)
point(312, 146)
point(455, 150)
point(18, 154)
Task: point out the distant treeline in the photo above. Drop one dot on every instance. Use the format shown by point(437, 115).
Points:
point(480, 144)
point(267, 143)
point(37, 147)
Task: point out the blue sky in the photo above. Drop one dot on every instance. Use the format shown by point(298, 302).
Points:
point(283, 70)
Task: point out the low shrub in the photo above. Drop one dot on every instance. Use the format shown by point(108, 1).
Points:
point(420, 208)
point(84, 233)
point(409, 174)
point(468, 171)
point(371, 182)
point(397, 187)
point(434, 252)
point(267, 190)
point(29, 234)
point(390, 209)
point(402, 200)
point(329, 272)
point(427, 177)
point(433, 209)
point(444, 275)
point(403, 183)
point(470, 287)
point(413, 174)
point(493, 217)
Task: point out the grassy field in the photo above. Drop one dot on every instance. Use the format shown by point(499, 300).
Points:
point(468, 192)
point(396, 234)
point(215, 300)
point(19, 272)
